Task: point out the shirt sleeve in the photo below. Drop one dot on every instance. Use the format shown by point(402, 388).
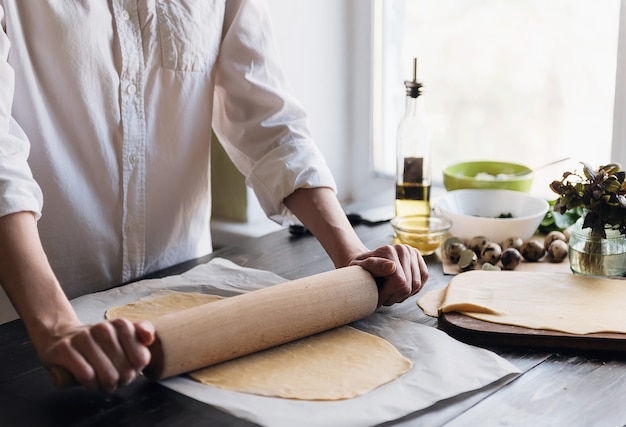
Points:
point(18, 190)
point(262, 126)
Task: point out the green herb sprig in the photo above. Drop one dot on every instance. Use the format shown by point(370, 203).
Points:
point(556, 221)
point(600, 193)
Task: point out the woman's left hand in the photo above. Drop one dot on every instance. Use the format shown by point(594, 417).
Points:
point(401, 267)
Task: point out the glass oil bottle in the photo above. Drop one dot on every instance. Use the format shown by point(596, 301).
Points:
point(413, 154)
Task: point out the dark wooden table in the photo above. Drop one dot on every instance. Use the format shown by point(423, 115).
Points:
point(554, 390)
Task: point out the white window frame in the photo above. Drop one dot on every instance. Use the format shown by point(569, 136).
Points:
point(367, 184)
point(618, 147)
point(366, 92)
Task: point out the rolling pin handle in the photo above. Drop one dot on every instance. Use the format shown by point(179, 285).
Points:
point(62, 378)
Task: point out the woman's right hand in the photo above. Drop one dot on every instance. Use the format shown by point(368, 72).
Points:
point(103, 356)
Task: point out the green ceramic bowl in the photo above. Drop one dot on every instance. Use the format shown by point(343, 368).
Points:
point(488, 175)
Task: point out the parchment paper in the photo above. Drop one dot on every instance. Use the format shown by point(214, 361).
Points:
point(442, 367)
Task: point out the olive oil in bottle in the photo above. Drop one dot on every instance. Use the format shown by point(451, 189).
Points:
point(412, 199)
point(413, 169)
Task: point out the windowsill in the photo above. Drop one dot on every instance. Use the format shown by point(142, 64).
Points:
point(226, 233)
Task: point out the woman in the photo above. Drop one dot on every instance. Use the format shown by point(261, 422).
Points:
point(106, 111)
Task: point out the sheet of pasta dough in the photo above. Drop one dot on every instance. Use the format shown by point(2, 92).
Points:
point(554, 301)
point(159, 303)
point(338, 364)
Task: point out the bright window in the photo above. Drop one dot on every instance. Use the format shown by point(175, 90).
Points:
point(528, 81)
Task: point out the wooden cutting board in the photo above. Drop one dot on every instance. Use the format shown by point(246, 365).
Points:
point(488, 334)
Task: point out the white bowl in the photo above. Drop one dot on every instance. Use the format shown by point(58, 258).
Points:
point(476, 213)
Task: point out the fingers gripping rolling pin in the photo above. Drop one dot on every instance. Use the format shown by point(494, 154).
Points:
point(247, 323)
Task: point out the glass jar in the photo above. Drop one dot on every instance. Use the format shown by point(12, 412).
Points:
point(592, 255)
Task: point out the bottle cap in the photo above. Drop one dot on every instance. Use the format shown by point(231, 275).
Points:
point(413, 88)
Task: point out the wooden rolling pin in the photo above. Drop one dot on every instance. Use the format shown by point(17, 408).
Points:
point(225, 329)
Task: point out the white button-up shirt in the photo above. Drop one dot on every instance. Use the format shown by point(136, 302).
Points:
point(115, 102)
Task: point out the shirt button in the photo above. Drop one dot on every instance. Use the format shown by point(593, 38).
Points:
point(124, 15)
point(132, 159)
point(131, 89)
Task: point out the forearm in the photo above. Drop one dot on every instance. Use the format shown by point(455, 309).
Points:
point(28, 280)
point(400, 268)
point(320, 211)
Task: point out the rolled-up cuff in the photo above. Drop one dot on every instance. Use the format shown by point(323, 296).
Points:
point(293, 165)
point(18, 189)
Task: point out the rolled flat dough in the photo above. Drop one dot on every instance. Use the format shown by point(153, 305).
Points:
point(159, 303)
point(555, 301)
point(338, 364)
